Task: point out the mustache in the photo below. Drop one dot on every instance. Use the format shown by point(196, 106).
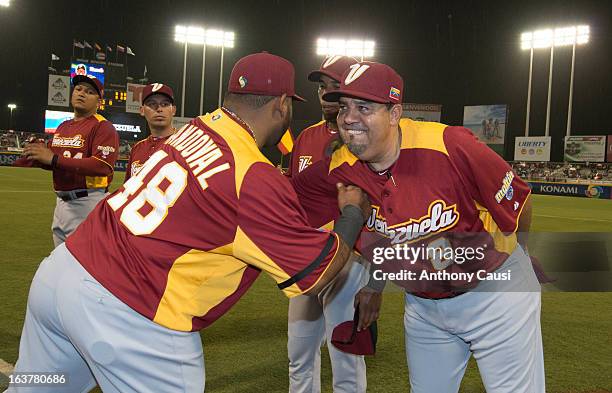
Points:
point(356, 128)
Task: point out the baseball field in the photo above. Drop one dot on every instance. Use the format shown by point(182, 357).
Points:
point(245, 351)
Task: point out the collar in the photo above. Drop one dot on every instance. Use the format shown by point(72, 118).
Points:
point(241, 122)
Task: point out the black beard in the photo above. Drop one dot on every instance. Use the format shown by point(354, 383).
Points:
point(356, 149)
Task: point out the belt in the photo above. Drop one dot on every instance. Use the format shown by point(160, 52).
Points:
point(67, 196)
point(436, 295)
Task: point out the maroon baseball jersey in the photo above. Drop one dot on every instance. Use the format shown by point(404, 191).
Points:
point(183, 240)
point(311, 145)
point(93, 136)
point(444, 185)
point(141, 152)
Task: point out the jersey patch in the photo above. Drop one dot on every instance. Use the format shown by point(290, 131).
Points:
point(440, 217)
point(304, 162)
point(506, 189)
point(76, 141)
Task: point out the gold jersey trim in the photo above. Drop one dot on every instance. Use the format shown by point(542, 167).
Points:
point(244, 150)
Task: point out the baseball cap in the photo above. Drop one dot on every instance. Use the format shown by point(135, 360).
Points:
point(263, 74)
point(346, 338)
point(370, 81)
point(90, 79)
point(333, 67)
point(157, 88)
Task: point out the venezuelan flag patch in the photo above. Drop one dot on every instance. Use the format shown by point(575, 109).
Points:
point(394, 93)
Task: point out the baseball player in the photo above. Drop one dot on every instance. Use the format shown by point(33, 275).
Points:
point(82, 156)
point(308, 322)
point(158, 109)
point(435, 186)
point(317, 141)
point(186, 239)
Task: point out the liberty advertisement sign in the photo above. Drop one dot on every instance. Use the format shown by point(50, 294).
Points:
point(532, 148)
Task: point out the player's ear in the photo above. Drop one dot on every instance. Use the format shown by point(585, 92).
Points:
point(142, 110)
point(173, 110)
point(395, 114)
point(284, 103)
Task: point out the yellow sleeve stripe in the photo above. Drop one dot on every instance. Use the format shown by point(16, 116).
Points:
point(518, 217)
point(502, 243)
point(99, 159)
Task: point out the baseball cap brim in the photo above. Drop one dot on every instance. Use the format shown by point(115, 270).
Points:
point(82, 78)
point(160, 93)
point(315, 76)
point(334, 96)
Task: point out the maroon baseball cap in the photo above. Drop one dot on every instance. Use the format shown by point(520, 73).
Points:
point(91, 80)
point(263, 74)
point(333, 67)
point(370, 81)
point(346, 338)
point(157, 88)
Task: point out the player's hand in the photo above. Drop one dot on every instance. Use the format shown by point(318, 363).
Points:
point(368, 300)
point(38, 152)
point(353, 195)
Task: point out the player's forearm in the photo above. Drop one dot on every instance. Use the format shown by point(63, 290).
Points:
point(335, 267)
point(25, 162)
point(524, 224)
point(348, 227)
point(85, 166)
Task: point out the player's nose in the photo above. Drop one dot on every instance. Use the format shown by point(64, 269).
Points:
point(350, 116)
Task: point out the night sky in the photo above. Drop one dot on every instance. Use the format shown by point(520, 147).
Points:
point(453, 53)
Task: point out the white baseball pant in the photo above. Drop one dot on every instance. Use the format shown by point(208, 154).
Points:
point(499, 323)
point(311, 322)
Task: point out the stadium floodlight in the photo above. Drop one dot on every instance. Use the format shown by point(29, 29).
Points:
point(11, 107)
point(562, 36)
point(223, 39)
point(350, 47)
point(5, 3)
point(220, 38)
point(549, 38)
point(189, 35)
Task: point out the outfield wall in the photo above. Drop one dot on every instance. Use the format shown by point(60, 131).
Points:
point(584, 190)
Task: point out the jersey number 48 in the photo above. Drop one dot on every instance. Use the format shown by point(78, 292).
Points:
point(136, 194)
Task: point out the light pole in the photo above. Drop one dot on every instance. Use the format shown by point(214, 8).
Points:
point(11, 108)
point(581, 36)
point(224, 39)
point(549, 38)
point(351, 47)
point(190, 35)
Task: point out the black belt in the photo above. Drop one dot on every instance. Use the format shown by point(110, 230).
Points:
point(73, 195)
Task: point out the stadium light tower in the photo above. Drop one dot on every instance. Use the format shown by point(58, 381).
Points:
point(11, 107)
point(549, 38)
point(190, 35)
point(351, 47)
point(224, 39)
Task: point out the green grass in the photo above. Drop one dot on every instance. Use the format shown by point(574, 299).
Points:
point(245, 351)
